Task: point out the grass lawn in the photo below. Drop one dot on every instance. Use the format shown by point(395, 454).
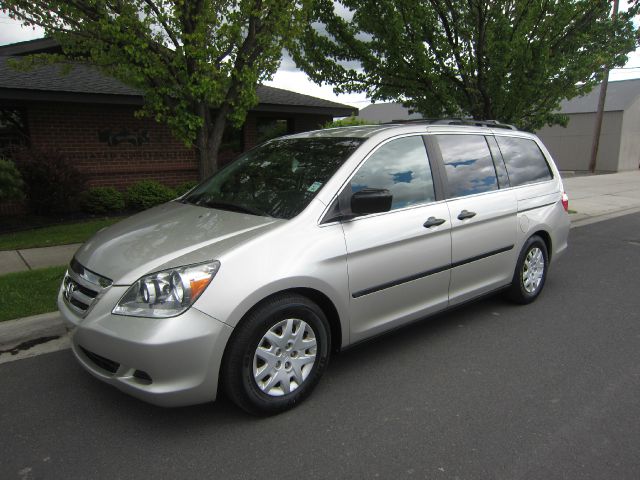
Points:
point(55, 235)
point(29, 293)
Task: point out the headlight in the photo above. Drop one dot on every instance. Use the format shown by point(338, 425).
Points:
point(167, 293)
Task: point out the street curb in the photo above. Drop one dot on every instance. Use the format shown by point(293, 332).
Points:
point(588, 220)
point(15, 332)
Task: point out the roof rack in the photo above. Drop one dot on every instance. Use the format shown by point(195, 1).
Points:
point(458, 121)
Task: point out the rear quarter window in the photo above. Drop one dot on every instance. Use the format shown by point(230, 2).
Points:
point(524, 160)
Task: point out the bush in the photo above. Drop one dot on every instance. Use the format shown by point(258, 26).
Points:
point(52, 184)
point(147, 194)
point(11, 183)
point(100, 200)
point(185, 187)
point(347, 122)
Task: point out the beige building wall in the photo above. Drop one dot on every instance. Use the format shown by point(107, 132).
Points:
point(630, 144)
point(571, 146)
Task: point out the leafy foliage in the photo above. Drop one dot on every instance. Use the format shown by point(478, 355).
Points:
point(11, 183)
point(188, 57)
point(100, 200)
point(512, 60)
point(52, 184)
point(185, 187)
point(347, 122)
point(148, 193)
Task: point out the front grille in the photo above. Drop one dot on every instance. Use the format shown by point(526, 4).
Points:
point(77, 295)
point(91, 277)
point(81, 288)
point(102, 362)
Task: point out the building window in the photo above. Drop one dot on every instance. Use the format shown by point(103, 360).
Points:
point(272, 127)
point(13, 129)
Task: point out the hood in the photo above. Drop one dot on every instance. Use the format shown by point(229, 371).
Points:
point(169, 235)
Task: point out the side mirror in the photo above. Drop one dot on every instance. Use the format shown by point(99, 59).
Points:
point(371, 200)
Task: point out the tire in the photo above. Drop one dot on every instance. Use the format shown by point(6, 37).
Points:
point(276, 355)
point(531, 272)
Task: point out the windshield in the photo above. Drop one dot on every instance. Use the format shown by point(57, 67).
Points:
point(277, 179)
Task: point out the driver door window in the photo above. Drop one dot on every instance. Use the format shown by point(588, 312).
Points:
point(400, 166)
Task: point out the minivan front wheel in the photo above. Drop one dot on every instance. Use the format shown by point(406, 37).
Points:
point(531, 271)
point(277, 355)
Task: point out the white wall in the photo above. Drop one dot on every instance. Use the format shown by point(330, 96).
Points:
point(630, 144)
point(571, 146)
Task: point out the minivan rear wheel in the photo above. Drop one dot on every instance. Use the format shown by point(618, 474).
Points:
point(277, 355)
point(531, 271)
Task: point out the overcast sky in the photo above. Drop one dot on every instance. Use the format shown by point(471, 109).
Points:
point(288, 76)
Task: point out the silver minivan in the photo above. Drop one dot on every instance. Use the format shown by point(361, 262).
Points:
point(308, 244)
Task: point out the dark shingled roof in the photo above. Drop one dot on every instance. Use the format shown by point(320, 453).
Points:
point(51, 78)
point(87, 80)
point(39, 45)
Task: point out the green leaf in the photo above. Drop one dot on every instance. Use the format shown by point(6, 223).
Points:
point(510, 60)
point(186, 57)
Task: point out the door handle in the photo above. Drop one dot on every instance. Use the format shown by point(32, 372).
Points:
point(433, 222)
point(464, 214)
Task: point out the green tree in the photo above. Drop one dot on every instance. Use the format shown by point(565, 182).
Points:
point(512, 60)
point(347, 122)
point(197, 62)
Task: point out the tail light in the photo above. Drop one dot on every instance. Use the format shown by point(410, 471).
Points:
point(565, 201)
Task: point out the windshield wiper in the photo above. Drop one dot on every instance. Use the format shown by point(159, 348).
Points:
point(233, 207)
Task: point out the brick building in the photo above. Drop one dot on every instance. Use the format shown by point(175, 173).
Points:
point(89, 117)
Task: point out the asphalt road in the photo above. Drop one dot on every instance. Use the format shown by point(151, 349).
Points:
point(490, 391)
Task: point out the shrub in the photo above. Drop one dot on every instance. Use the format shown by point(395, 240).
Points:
point(147, 194)
point(11, 183)
point(52, 184)
point(347, 122)
point(100, 200)
point(185, 187)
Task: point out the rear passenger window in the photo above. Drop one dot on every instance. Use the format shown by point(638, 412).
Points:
point(401, 166)
point(468, 164)
point(524, 159)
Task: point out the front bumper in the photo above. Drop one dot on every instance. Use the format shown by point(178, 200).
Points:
point(168, 362)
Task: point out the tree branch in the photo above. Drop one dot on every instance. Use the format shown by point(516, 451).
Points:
point(164, 24)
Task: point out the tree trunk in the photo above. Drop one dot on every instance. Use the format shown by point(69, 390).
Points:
point(201, 144)
point(214, 140)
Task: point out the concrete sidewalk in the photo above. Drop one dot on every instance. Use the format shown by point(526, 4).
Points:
point(596, 197)
point(33, 258)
